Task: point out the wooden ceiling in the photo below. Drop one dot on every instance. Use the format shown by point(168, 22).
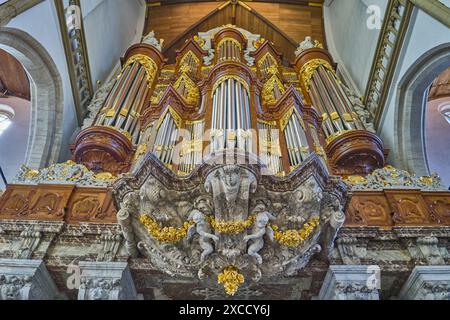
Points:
point(285, 23)
point(13, 78)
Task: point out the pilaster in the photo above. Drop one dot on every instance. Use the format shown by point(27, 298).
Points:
point(427, 283)
point(26, 280)
point(351, 282)
point(106, 281)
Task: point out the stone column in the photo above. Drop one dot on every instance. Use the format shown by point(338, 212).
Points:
point(106, 281)
point(427, 283)
point(26, 280)
point(351, 282)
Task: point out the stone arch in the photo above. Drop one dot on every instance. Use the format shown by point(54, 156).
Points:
point(45, 135)
point(409, 115)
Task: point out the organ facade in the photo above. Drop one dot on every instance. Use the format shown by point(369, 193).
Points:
point(229, 172)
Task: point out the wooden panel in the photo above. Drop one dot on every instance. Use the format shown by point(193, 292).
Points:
point(170, 21)
point(295, 20)
point(91, 205)
point(13, 77)
point(286, 25)
point(46, 202)
point(439, 206)
point(369, 209)
point(409, 207)
point(57, 203)
point(390, 208)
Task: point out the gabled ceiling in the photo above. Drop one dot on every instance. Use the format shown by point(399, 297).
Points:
point(13, 78)
point(285, 23)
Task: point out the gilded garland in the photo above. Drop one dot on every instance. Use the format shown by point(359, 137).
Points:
point(294, 238)
point(165, 234)
point(310, 67)
point(289, 238)
point(231, 227)
point(231, 279)
point(148, 64)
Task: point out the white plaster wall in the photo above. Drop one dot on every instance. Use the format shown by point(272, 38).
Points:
point(425, 34)
point(12, 155)
point(41, 22)
point(351, 43)
point(111, 27)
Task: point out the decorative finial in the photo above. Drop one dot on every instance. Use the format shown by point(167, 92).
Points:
point(308, 44)
point(150, 39)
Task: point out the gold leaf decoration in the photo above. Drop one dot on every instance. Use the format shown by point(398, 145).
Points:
point(165, 234)
point(310, 67)
point(231, 227)
point(294, 238)
point(148, 64)
point(231, 279)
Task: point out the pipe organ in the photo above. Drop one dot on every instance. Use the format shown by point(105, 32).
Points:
point(230, 121)
point(184, 112)
point(144, 186)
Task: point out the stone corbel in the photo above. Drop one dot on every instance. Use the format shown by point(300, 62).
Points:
point(26, 280)
point(350, 250)
point(110, 246)
point(427, 283)
point(351, 283)
point(426, 250)
point(29, 243)
point(106, 281)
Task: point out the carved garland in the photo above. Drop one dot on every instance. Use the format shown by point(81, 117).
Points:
point(288, 238)
point(309, 68)
point(294, 238)
point(231, 279)
point(231, 227)
point(148, 64)
point(225, 78)
point(165, 234)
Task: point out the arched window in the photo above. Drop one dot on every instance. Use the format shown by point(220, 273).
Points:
point(6, 116)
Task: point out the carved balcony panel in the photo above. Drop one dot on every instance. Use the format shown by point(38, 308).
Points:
point(57, 202)
point(103, 149)
point(398, 208)
point(355, 152)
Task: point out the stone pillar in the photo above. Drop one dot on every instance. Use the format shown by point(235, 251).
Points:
point(106, 281)
point(26, 280)
point(351, 282)
point(427, 283)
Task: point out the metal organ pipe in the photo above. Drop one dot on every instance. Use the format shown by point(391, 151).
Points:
point(230, 116)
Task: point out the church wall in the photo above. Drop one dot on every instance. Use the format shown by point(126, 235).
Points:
point(109, 32)
point(425, 34)
point(41, 23)
point(351, 43)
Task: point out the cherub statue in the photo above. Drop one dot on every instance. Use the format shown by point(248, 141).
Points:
point(260, 229)
point(209, 58)
point(305, 45)
point(202, 228)
point(151, 40)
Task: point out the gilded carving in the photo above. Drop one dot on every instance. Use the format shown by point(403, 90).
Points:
point(390, 177)
point(309, 68)
point(147, 63)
